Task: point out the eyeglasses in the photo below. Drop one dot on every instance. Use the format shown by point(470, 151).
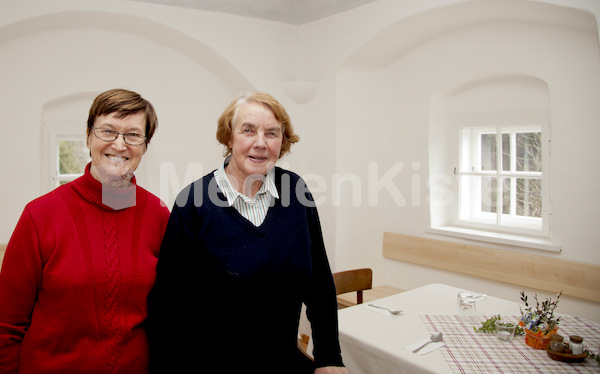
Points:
point(109, 135)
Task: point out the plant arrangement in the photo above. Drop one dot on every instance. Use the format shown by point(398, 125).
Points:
point(539, 322)
point(539, 319)
point(489, 326)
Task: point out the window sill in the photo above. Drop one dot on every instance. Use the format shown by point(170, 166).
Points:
point(497, 238)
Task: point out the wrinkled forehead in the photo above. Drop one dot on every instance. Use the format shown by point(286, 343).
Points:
point(252, 112)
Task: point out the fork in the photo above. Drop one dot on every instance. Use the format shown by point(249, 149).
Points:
point(392, 311)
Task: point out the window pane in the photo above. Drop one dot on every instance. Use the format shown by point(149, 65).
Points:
point(505, 195)
point(529, 197)
point(73, 156)
point(529, 151)
point(506, 152)
point(488, 151)
point(489, 194)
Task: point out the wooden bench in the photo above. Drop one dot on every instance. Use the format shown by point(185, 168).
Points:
point(575, 279)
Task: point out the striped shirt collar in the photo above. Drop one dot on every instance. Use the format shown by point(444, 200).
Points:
point(232, 194)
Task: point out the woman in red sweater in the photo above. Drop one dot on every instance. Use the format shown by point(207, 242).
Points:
point(82, 259)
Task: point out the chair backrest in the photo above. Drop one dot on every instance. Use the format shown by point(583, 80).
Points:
point(356, 280)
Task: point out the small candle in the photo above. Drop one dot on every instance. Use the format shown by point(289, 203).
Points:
point(505, 331)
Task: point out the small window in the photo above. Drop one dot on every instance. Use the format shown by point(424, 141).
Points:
point(501, 177)
point(72, 157)
point(65, 153)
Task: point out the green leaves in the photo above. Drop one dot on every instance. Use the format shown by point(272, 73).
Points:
point(489, 326)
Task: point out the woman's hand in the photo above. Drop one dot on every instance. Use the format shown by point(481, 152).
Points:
point(331, 370)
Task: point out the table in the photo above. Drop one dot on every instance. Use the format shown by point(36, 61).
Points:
point(373, 343)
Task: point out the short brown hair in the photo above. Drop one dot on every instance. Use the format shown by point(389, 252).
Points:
point(124, 103)
point(225, 124)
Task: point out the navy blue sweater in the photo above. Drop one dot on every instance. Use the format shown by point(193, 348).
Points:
point(228, 294)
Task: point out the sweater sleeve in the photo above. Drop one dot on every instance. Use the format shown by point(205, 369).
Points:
point(168, 297)
point(20, 280)
point(321, 299)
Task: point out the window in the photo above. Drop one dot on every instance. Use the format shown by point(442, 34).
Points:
point(489, 163)
point(65, 153)
point(501, 180)
point(72, 157)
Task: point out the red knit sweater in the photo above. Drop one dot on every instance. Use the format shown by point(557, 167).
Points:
point(75, 278)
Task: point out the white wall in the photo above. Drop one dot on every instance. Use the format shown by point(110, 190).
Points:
point(378, 77)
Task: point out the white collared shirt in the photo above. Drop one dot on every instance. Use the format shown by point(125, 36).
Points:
point(253, 209)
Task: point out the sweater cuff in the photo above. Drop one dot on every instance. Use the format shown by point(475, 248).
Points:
point(329, 361)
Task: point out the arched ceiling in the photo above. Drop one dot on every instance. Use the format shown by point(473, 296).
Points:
point(396, 39)
point(295, 12)
point(134, 25)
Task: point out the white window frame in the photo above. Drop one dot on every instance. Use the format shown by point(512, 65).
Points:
point(470, 171)
point(448, 220)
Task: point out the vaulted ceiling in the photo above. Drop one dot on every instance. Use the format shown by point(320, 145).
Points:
point(295, 12)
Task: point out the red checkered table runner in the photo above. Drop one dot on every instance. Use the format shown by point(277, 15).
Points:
point(469, 352)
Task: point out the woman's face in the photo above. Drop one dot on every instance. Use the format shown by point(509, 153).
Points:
point(255, 143)
point(113, 163)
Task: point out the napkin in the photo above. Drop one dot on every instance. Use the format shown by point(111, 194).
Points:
point(382, 311)
point(428, 348)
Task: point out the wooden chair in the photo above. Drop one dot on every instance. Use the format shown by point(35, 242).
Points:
point(357, 280)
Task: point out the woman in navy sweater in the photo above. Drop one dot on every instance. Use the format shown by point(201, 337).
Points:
point(242, 251)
